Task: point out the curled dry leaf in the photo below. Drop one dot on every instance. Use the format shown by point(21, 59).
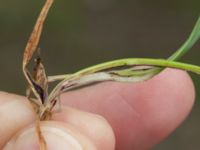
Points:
point(38, 84)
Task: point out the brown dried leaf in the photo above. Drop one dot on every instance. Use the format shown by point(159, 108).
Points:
point(32, 44)
point(38, 84)
point(37, 81)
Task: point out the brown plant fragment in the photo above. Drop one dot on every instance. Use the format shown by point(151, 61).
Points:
point(37, 79)
point(41, 139)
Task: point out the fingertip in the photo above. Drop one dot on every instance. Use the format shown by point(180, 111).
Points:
point(92, 125)
point(15, 113)
point(177, 96)
point(57, 136)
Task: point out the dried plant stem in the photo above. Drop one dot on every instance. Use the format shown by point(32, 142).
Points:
point(38, 84)
point(41, 139)
point(31, 48)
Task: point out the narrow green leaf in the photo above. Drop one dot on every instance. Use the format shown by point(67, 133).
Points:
point(192, 39)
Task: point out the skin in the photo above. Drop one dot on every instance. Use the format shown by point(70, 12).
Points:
point(120, 116)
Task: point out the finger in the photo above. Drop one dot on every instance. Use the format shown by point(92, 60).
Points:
point(141, 114)
point(57, 136)
point(15, 113)
point(93, 126)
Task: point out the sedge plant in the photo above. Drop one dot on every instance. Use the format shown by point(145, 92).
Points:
point(122, 70)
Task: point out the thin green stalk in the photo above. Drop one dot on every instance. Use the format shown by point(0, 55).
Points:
point(125, 74)
point(129, 62)
point(193, 38)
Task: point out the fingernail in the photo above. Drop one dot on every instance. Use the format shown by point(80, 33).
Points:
point(56, 139)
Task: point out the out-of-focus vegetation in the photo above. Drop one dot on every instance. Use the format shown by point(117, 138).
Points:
point(79, 33)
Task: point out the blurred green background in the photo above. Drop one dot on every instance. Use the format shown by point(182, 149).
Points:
point(79, 33)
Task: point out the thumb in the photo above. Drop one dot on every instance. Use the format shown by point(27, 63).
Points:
point(57, 135)
point(72, 129)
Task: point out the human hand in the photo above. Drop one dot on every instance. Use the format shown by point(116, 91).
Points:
point(140, 114)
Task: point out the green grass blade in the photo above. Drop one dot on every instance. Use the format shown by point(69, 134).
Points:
point(193, 38)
